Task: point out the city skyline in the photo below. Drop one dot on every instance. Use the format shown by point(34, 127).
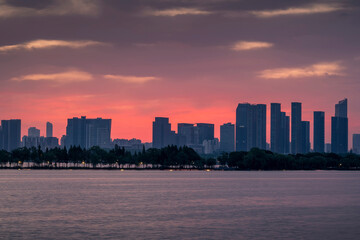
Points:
point(131, 61)
point(249, 131)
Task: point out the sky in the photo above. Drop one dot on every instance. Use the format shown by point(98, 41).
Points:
point(189, 60)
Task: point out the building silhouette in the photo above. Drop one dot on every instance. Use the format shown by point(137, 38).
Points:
point(319, 131)
point(87, 133)
point(33, 132)
point(250, 126)
point(10, 134)
point(296, 128)
point(227, 137)
point(305, 136)
point(187, 134)
point(300, 131)
point(279, 130)
point(49, 130)
point(339, 128)
point(356, 143)
point(162, 134)
point(205, 132)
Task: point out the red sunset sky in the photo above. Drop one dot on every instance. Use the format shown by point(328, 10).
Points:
point(191, 61)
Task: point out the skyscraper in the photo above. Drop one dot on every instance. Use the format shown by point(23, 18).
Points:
point(279, 134)
point(33, 132)
point(356, 143)
point(98, 132)
point(186, 132)
point(87, 133)
point(76, 132)
point(285, 132)
point(275, 128)
point(296, 128)
point(319, 131)
point(162, 134)
point(11, 134)
point(305, 137)
point(250, 126)
point(227, 137)
point(339, 128)
point(49, 130)
point(205, 132)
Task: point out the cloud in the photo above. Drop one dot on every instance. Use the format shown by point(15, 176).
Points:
point(130, 79)
point(43, 43)
point(177, 11)
point(58, 8)
point(310, 9)
point(315, 70)
point(62, 77)
point(247, 45)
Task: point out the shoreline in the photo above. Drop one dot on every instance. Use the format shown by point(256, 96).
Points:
point(173, 169)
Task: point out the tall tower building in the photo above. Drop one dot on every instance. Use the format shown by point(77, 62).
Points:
point(49, 130)
point(285, 132)
point(98, 133)
point(250, 126)
point(279, 134)
point(305, 137)
point(356, 143)
point(205, 132)
point(186, 132)
point(76, 132)
point(296, 128)
point(339, 128)
point(162, 134)
point(275, 128)
point(11, 134)
point(227, 137)
point(319, 131)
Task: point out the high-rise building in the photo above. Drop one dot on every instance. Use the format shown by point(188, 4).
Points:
point(76, 132)
point(227, 137)
point(356, 143)
point(339, 128)
point(49, 129)
point(296, 128)
point(186, 132)
point(341, 108)
point(33, 132)
point(250, 126)
point(87, 133)
point(319, 131)
point(205, 132)
point(11, 134)
point(305, 137)
point(260, 132)
point(285, 132)
point(275, 128)
point(279, 134)
point(98, 133)
point(162, 134)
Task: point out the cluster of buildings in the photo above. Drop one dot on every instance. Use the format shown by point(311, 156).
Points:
point(249, 131)
point(198, 136)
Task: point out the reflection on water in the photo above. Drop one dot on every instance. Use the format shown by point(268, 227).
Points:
point(85, 204)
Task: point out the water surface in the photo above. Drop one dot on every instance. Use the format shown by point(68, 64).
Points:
point(89, 204)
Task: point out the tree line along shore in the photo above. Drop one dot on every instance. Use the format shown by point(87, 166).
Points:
point(172, 157)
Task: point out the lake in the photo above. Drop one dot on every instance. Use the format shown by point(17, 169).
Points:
point(103, 204)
